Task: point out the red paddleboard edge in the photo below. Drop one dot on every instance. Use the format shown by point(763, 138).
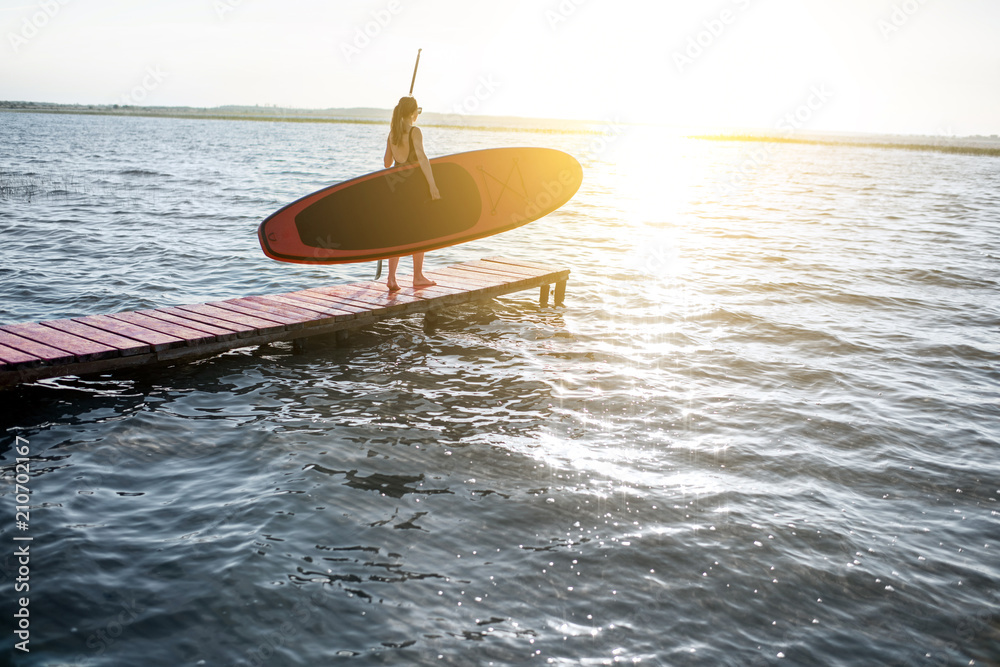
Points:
point(565, 180)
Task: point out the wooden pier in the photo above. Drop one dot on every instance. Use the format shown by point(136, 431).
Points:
point(101, 343)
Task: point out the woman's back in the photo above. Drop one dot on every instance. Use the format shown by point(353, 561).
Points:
point(411, 155)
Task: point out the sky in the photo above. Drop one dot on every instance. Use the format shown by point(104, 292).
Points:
point(881, 66)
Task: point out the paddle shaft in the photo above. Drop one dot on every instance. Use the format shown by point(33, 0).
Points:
point(415, 66)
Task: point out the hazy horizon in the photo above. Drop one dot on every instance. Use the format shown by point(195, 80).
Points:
point(364, 114)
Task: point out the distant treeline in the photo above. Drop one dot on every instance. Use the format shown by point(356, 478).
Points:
point(941, 146)
point(365, 116)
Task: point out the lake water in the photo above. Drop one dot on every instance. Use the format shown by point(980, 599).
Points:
point(763, 430)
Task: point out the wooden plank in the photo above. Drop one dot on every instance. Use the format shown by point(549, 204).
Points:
point(524, 263)
point(11, 357)
point(483, 273)
point(470, 291)
point(241, 330)
point(327, 305)
point(548, 273)
point(289, 322)
point(355, 309)
point(188, 335)
point(490, 286)
point(505, 269)
point(517, 276)
point(324, 307)
point(486, 271)
point(265, 324)
point(535, 270)
point(514, 284)
point(495, 276)
point(430, 293)
point(290, 313)
point(82, 349)
point(368, 293)
point(278, 305)
point(46, 353)
point(125, 346)
point(427, 292)
point(399, 299)
point(454, 272)
point(455, 278)
point(530, 269)
point(371, 309)
point(156, 340)
point(374, 296)
point(218, 332)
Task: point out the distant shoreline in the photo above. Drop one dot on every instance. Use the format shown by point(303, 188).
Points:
point(961, 146)
point(359, 116)
point(983, 146)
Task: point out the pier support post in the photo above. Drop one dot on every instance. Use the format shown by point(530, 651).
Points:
point(543, 295)
point(299, 345)
point(560, 295)
point(340, 337)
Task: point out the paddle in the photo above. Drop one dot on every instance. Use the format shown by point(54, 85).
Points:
point(415, 66)
point(378, 273)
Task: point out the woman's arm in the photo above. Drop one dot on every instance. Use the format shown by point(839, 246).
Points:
point(425, 165)
point(388, 159)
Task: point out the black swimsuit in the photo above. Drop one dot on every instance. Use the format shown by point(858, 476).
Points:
point(411, 158)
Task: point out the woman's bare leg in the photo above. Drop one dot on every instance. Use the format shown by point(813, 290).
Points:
point(419, 279)
point(391, 281)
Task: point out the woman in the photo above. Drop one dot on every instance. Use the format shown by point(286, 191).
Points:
point(404, 146)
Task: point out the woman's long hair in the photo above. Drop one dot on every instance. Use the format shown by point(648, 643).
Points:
point(405, 109)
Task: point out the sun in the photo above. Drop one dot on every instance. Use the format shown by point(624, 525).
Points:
point(654, 171)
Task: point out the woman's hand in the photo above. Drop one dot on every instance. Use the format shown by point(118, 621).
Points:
point(434, 192)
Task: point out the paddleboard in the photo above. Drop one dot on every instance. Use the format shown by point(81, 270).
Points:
point(390, 213)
